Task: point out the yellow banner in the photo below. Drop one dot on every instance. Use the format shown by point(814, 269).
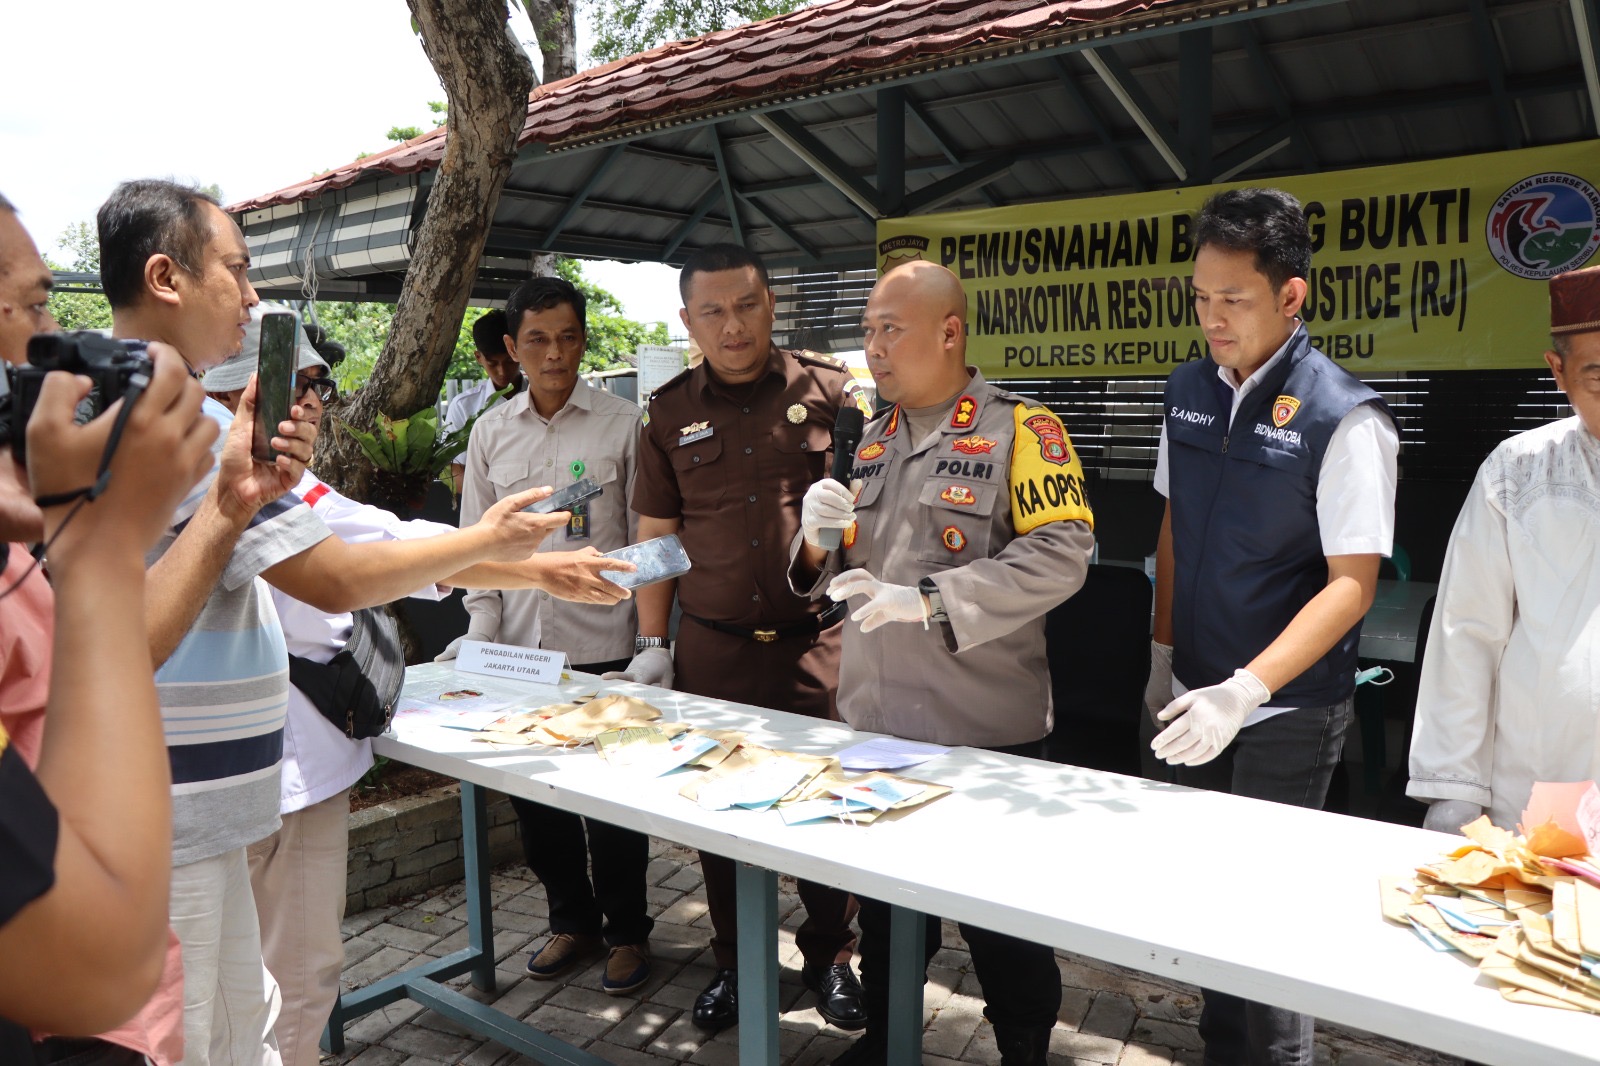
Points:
point(1421, 266)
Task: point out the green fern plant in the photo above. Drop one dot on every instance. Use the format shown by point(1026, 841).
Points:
point(414, 445)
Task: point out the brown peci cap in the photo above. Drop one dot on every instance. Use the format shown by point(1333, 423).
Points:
point(1575, 301)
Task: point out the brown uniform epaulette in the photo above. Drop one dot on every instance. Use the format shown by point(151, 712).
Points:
point(810, 358)
point(669, 383)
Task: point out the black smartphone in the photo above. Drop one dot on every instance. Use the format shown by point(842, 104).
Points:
point(660, 559)
point(566, 499)
point(274, 381)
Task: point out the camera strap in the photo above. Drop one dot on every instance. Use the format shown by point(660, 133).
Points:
point(136, 387)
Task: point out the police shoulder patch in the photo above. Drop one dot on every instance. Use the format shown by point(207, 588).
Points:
point(1046, 477)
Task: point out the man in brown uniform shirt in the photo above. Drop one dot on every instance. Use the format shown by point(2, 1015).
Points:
point(726, 455)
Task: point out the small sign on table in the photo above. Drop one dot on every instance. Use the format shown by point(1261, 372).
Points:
point(508, 660)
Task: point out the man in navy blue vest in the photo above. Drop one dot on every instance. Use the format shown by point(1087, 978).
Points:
point(1279, 473)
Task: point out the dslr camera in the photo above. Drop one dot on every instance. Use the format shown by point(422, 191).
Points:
point(113, 365)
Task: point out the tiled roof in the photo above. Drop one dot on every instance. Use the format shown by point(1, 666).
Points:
point(832, 45)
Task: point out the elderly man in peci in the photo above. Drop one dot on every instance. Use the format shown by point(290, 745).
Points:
point(1510, 689)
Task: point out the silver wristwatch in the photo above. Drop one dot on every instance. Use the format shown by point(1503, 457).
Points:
point(641, 643)
point(936, 611)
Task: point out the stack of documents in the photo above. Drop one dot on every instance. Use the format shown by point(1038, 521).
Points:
point(1526, 907)
point(567, 725)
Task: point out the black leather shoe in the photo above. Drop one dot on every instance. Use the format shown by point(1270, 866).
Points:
point(718, 1006)
point(1022, 1045)
point(838, 995)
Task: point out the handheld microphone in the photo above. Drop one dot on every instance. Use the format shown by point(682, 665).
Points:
point(847, 430)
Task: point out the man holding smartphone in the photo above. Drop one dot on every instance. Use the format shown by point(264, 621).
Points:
point(729, 450)
point(174, 267)
point(558, 431)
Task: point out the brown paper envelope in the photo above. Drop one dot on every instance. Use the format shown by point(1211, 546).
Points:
point(1471, 945)
point(1564, 917)
point(1534, 999)
point(1586, 901)
point(601, 716)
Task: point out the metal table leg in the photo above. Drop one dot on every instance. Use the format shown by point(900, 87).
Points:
point(907, 936)
point(424, 984)
point(758, 965)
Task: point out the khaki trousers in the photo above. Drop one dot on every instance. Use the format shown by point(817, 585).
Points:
point(298, 874)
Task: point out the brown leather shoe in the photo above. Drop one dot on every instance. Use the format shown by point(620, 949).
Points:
point(560, 953)
point(627, 968)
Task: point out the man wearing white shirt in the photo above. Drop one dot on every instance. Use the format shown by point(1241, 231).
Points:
point(500, 369)
point(1510, 690)
point(1279, 469)
point(297, 874)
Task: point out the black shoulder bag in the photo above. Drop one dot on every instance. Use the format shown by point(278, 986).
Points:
point(357, 689)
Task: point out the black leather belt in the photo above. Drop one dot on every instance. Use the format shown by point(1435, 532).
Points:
point(815, 624)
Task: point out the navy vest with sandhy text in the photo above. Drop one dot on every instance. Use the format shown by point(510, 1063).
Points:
point(1245, 538)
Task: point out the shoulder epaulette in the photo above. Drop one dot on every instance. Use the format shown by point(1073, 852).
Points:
point(810, 358)
point(1012, 397)
point(669, 383)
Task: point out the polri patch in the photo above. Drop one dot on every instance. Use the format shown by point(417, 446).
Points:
point(871, 451)
point(953, 538)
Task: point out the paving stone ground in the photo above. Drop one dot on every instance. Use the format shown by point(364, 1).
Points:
point(1110, 1016)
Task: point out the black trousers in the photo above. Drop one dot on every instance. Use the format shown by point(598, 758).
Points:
point(1021, 984)
point(593, 872)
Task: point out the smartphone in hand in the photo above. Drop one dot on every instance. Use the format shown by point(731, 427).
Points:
point(274, 381)
point(660, 559)
point(566, 499)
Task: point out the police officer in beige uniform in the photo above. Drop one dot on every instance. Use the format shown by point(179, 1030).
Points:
point(971, 522)
point(729, 451)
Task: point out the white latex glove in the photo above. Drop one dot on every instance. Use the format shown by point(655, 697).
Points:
point(885, 602)
point(827, 505)
point(652, 666)
point(454, 647)
point(1211, 718)
point(1158, 692)
point(1449, 816)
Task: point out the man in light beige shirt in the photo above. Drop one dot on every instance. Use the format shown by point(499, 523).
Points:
point(561, 430)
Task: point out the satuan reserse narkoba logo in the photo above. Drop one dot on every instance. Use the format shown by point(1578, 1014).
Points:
point(893, 251)
point(1544, 225)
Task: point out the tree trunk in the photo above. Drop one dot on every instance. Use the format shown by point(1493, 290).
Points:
point(487, 78)
point(555, 28)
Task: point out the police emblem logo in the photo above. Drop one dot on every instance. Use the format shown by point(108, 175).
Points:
point(966, 408)
point(953, 538)
point(871, 451)
point(973, 445)
point(960, 495)
point(1052, 439)
point(849, 538)
point(1283, 409)
point(796, 413)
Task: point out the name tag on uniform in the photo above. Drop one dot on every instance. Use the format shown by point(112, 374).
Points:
point(578, 523)
point(694, 431)
point(509, 660)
